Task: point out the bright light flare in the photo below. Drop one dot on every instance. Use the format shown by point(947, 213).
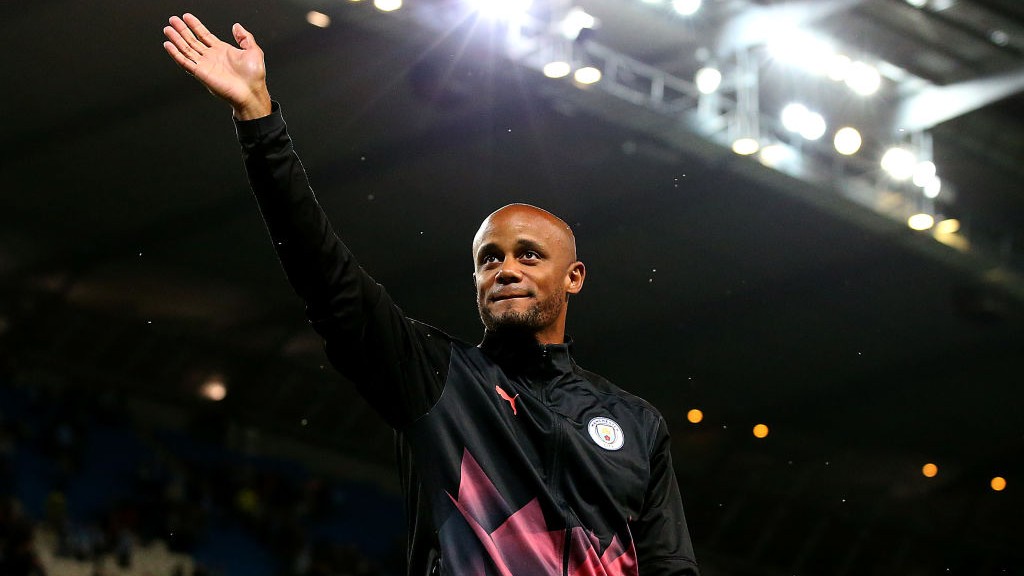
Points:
point(708, 80)
point(214, 389)
point(760, 431)
point(557, 69)
point(998, 483)
point(587, 75)
point(387, 5)
point(838, 67)
point(694, 416)
point(797, 118)
point(318, 19)
point(502, 9)
point(863, 79)
point(923, 173)
point(921, 221)
point(745, 146)
point(929, 470)
point(847, 141)
point(948, 226)
point(802, 50)
point(575, 22)
point(686, 7)
point(773, 155)
point(899, 163)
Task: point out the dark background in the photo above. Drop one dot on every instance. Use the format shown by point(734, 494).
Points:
point(133, 260)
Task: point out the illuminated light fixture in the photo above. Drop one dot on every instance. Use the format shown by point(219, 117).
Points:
point(694, 416)
point(318, 19)
point(760, 431)
point(745, 146)
point(575, 21)
point(838, 67)
point(587, 75)
point(917, 3)
point(792, 116)
point(501, 9)
point(921, 221)
point(557, 69)
point(801, 49)
point(708, 80)
point(929, 470)
point(387, 5)
point(214, 389)
point(863, 79)
point(899, 163)
point(923, 173)
point(847, 141)
point(773, 155)
point(998, 483)
point(797, 118)
point(933, 187)
point(686, 7)
point(814, 126)
point(948, 226)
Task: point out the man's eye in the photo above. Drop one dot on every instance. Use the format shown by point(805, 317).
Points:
point(488, 259)
point(531, 255)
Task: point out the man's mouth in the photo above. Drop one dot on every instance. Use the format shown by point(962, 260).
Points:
point(500, 297)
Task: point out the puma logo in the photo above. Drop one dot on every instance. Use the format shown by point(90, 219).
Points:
point(511, 399)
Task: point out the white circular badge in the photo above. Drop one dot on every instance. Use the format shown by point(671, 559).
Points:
point(606, 433)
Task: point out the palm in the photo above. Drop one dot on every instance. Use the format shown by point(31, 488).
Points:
point(230, 72)
point(235, 74)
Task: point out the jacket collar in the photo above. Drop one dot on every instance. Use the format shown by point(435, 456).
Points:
point(520, 353)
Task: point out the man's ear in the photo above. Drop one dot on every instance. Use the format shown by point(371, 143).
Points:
point(577, 273)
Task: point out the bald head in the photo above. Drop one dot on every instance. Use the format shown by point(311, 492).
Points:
point(526, 217)
point(525, 269)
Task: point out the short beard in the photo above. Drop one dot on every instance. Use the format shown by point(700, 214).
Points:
point(532, 320)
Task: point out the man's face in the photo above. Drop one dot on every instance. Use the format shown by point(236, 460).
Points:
point(525, 266)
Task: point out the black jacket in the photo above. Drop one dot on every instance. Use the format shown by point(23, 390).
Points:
point(514, 460)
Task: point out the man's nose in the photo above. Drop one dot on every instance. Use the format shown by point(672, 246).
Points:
point(509, 272)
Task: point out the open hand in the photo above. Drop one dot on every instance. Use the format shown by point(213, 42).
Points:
point(237, 75)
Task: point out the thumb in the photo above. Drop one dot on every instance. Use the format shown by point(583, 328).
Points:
point(243, 37)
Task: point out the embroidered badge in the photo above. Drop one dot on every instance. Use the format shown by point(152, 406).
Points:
point(606, 433)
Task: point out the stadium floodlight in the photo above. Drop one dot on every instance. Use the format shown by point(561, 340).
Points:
point(899, 163)
point(387, 5)
point(557, 69)
point(745, 146)
point(847, 141)
point(923, 173)
point(863, 78)
point(501, 9)
point(708, 80)
point(576, 20)
point(587, 75)
point(921, 221)
point(802, 50)
point(686, 7)
point(797, 118)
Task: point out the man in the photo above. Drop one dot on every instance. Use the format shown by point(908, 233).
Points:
point(514, 460)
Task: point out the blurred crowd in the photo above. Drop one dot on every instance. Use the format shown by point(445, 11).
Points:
point(185, 498)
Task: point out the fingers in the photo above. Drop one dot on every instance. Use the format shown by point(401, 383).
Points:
point(201, 32)
point(179, 58)
point(184, 39)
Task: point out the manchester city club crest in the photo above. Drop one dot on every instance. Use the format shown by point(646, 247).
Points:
point(606, 433)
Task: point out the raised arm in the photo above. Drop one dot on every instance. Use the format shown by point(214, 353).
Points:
point(236, 75)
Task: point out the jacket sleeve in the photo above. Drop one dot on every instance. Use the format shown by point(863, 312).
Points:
point(661, 536)
point(397, 364)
